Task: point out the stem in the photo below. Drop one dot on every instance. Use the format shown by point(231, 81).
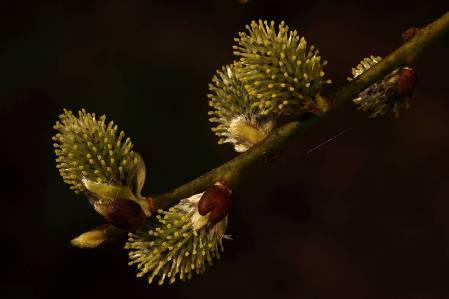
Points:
point(231, 170)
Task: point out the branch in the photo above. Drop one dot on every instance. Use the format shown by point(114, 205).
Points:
point(231, 170)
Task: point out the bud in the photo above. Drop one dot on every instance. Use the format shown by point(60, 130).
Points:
point(388, 94)
point(125, 214)
point(92, 238)
point(181, 243)
point(216, 200)
point(409, 34)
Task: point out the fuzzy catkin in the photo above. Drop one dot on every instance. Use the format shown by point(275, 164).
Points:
point(383, 96)
point(279, 69)
point(240, 121)
point(179, 244)
point(88, 148)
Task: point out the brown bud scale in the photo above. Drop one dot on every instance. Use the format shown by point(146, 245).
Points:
point(407, 81)
point(216, 200)
point(409, 33)
point(125, 214)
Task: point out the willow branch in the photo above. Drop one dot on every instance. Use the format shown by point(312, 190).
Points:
point(230, 171)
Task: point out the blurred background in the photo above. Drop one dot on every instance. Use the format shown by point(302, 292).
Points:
point(364, 216)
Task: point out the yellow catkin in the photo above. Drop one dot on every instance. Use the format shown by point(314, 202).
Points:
point(179, 244)
point(277, 65)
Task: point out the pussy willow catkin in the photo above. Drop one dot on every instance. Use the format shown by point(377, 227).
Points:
point(93, 157)
point(391, 93)
point(179, 244)
point(240, 120)
point(277, 75)
point(279, 69)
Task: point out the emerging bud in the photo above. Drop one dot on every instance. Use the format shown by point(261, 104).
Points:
point(183, 242)
point(92, 238)
point(216, 200)
point(409, 34)
point(389, 94)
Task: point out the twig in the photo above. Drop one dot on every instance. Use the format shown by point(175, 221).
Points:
point(231, 170)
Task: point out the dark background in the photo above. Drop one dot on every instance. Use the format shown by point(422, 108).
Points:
point(365, 216)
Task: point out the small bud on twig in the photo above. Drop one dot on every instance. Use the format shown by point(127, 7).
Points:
point(409, 34)
point(216, 200)
point(92, 238)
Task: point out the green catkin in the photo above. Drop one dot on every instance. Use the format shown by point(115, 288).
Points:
point(180, 243)
point(90, 148)
point(382, 96)
point(278, 69)
point(239, 121)
point(364, 65)
point(93, 157)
